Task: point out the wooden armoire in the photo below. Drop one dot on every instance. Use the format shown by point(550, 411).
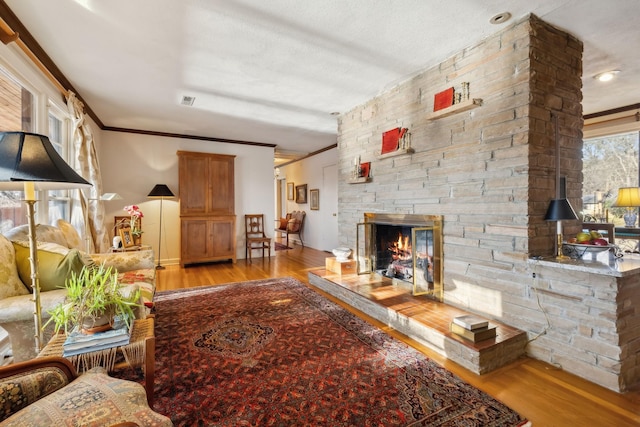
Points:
point(207, 207)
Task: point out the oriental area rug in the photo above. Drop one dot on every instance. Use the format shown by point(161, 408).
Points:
point(275, 353)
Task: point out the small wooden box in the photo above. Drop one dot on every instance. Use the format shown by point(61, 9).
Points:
point(340, 267)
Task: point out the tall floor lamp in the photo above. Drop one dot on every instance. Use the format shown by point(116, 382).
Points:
point(160, 191)
point(29, 162)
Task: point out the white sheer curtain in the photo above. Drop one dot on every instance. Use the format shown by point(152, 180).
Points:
point(87, 162)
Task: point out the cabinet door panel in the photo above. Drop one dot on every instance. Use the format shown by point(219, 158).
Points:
point(194, 185)
point(222, 186)
point(222, 238)
point(194, 240)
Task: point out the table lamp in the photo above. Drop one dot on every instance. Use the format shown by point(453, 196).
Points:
point(29, 162)
point(160, 191)
point(559, 210)
point(628, 197)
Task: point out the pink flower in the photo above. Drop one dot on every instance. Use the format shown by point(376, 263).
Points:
point(135, 213)
point(134, 210)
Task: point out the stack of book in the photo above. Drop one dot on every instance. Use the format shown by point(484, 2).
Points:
point(472, 328)
point(79, 343)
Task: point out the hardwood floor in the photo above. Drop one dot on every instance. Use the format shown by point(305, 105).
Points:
point(540, 392)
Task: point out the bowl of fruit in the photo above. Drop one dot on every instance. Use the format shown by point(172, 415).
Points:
point(588, 242)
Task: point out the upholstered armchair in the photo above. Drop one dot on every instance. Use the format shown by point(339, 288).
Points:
point(48, 392)
point(292, 225)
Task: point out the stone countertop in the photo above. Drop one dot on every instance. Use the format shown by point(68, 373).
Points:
point(604, 263)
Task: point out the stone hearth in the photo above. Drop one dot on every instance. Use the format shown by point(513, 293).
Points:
point(422, 319)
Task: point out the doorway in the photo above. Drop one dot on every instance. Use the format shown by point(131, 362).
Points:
point(329, 208)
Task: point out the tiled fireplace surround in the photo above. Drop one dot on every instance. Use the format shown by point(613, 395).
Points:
point(490, 172)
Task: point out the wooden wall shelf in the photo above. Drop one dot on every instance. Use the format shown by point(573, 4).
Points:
point(456, 108)
point(396, 153)
point(359, 180)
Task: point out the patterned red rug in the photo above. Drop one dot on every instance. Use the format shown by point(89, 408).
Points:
point(274, 352)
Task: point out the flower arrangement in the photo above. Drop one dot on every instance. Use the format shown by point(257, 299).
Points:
point(135, 213)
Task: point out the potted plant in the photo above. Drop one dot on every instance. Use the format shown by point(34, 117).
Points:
point(94, 299)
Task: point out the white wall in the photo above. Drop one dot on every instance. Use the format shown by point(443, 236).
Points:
point(310, 171)
point(132, 164)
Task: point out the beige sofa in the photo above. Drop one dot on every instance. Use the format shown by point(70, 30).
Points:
point(58, 255)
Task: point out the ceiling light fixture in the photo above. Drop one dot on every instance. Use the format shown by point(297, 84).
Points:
point(500, 18)
point(606, 76)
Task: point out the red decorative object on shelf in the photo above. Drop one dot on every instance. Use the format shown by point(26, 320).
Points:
point(443, 99)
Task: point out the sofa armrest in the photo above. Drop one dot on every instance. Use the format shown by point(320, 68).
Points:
point(22, 384)
point(126, 261)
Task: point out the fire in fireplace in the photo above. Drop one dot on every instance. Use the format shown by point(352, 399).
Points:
point(404, 248)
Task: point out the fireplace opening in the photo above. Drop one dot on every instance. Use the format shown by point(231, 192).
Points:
point(403, 248)
point(395, 253)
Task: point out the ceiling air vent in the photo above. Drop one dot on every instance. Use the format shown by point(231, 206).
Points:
point(187, 100)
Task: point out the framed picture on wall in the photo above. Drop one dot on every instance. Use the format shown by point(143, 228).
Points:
point(314, 199)
point(290, 192)
point(301, 193)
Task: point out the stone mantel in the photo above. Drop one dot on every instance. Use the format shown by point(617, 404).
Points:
point(605, 264)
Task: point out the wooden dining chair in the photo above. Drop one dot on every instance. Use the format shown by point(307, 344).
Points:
point(605, 228)
point(256, 237)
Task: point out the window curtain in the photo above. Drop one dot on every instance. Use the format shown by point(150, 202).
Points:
point(87, 165)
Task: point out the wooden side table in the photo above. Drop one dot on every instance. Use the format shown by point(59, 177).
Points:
point(140, 352)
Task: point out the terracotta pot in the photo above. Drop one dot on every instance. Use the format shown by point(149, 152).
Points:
point(101, 323)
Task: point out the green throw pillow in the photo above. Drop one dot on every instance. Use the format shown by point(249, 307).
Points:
point(55, 264)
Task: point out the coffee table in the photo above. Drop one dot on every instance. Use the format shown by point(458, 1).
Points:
point(140, 352)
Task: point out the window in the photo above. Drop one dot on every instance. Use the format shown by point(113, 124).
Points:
point(17, 113)
point(19, 110)
point(609, 162)
point(58, 200)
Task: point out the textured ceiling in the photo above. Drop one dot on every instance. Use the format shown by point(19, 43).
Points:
point(274, 71)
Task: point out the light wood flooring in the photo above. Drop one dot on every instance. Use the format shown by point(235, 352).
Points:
point(540, 392)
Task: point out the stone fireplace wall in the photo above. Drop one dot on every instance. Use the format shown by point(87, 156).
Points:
point(490, 171)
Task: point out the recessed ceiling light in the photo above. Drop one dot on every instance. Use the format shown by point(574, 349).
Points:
point(606, 76)
point(500, 18)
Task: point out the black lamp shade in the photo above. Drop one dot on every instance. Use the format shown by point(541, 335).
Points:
point(560, 209)
point(160, 191)
point(29, 157)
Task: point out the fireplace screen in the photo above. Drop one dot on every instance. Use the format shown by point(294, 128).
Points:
point(403, 248)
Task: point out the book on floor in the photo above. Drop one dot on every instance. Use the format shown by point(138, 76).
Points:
point(476, 335)
point(470, 322)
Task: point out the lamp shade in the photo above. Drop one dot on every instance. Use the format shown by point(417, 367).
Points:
point(29, 157)
point(560, 209)
point(628, 197)
point(160, 191)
